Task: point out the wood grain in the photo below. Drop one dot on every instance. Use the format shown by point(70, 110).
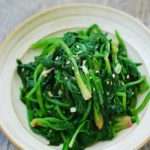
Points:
point(12, 12)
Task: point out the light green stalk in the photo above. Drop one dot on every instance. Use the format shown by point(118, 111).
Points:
point(86, 93)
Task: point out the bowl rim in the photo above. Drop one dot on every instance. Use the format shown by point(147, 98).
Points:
point(30, 18)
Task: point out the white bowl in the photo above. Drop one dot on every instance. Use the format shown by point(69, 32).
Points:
point(13, 118)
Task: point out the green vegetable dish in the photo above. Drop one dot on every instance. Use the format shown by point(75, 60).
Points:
point(82, 88)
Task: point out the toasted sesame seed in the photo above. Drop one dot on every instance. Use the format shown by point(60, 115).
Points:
point(107, 82)
point(128, 76)
point(107, 93)
point(73, 109)
point(59, 92)
point(113, 75)
point(66, 78)
point(77, 46)
point(132, 93)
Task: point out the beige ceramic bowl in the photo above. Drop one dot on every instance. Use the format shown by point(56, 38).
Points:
point(13, 118)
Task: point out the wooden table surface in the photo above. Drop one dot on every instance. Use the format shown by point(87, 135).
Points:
point(12, 12)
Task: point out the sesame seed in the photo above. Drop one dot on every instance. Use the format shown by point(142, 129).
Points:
point(97, 71)
point(66, 78)
point(107, 93)
point(128, 76)
point(49, 111)
point(122, 83)
point(73, 109)
point(59, 92)
point(77, 46)
point(118, 68)
point(113, 75)
point(107, 82)
point(50, 131)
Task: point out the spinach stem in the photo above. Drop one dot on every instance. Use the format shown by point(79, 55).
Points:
point(142, 105)
point(72, 141)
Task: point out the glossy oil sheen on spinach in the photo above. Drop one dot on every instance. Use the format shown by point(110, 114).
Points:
point(82, 88)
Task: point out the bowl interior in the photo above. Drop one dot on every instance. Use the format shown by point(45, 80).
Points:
point(20, 108)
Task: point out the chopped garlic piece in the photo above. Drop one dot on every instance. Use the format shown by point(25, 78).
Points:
point(84, 61)
point(45, 72)
point(57, 58)
point(84, 68)
point(50, 93)
point(79, 52)
point(67, 62)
